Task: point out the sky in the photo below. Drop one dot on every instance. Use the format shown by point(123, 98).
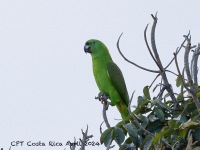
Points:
point(47, 87)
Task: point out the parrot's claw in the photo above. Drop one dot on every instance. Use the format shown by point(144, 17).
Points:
point(102, 97)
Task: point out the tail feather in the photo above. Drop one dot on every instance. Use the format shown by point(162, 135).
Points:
point(123, 109)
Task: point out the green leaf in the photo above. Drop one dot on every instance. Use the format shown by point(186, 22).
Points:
point(183, 133)
point(196, 133)
point(132, 130)
point(128, 141)
point(188, 124)
point(119, 135)
point(140, 100)
point(160, 114)
point(146, 92)
point(180, 97)
point(152, 118)
point(106, 136)
point(127, 147)
point(165, 130)
point(141, 107)
point(155, 126)
point(178, 81)
point(155, 87)
point(163, 105)
point(147, 142)
point(167, 95)
point(144, 120)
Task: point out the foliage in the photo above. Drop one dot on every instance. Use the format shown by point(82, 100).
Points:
point(163, 119)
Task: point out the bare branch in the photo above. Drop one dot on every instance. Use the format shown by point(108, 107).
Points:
point(73, 146)
point(177, 51)
point(105, 107)
point(171, 72)
point(153, 43)
point(145, 38)
point(85, 138)
point(157, 57)
point(154, 71)
point(190, 140)
point(154, 80)
point(194, 68)
point(196, 101)
point(182, 78)
point(186, 62)
point(101, 127)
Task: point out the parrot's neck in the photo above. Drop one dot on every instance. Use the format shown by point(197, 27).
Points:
point(102, 59)
point(103, 55)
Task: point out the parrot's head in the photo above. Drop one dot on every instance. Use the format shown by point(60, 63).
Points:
point(96, 48)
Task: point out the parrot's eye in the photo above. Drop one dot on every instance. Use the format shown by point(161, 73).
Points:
point(93, 42)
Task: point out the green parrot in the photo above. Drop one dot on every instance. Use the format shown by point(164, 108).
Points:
point(108, 76)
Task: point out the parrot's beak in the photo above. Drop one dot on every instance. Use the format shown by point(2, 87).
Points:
point(87, 49)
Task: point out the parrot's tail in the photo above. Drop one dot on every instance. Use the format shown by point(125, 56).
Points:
point(123, 109)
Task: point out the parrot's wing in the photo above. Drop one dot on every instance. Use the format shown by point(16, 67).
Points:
point(117, 80)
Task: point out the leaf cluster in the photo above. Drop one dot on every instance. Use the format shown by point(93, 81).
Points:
point(163, 120)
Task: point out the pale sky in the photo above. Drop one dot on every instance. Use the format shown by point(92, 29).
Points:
point(47, 87)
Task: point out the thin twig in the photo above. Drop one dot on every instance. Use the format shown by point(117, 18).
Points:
point(154, 80)
point(171, 72)
point(181, 76)
point(177, 50)
point(101, 127)
point(154, 71)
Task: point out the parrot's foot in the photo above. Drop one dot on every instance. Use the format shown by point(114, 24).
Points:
point(102, 97)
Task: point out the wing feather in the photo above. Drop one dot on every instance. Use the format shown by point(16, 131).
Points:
point(118, 81)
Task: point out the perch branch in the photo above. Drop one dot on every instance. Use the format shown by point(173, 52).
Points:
point(105, 106)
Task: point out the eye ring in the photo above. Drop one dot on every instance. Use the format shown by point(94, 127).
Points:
point(93, 42)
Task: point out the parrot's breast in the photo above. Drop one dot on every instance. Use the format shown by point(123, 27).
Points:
point(103, 80)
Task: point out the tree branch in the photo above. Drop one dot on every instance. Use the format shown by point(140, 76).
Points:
point(145, 38)
point(186, 62)
point(194, 68)
point(154, 71)
point(182, 78)
point(105, 107)
point(85, 138)
point(177, 51)
point(157, 57)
